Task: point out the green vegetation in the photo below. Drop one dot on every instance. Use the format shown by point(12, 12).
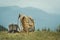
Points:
point(38, 29)
point(38, 35)
point(58, 28)
point(44, 29)
point(2, 28)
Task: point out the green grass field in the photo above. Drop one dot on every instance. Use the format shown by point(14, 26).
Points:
point(38, 35)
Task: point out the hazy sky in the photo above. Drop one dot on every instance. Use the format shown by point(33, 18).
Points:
point(50, 6)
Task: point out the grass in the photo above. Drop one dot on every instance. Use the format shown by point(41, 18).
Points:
point(38, 35)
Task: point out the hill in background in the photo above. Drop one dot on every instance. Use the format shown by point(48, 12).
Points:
point(42, 19)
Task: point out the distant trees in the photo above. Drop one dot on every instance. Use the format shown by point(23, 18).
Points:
point(48, 29)
point(45, 29)
point(38, 29)
point(58, 28)
point(2, 28)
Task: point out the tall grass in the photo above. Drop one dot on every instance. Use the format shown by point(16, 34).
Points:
point(38, 35)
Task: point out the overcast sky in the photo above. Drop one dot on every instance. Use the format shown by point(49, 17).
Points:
point(50, 6)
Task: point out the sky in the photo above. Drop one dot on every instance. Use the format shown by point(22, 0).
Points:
point(50, 6)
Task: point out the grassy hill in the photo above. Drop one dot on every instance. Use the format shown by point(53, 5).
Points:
point(38, 35)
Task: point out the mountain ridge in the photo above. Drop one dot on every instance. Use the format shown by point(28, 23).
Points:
point(42, 18)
